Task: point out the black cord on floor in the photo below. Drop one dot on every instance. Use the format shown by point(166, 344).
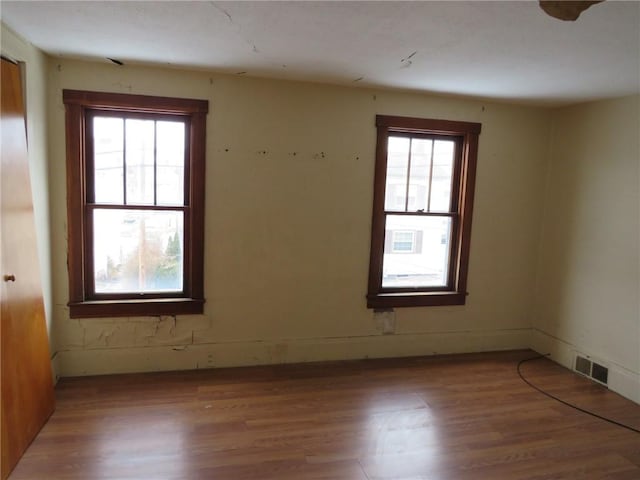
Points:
point(567, 403)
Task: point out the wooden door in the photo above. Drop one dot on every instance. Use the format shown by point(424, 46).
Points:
point(26, 386)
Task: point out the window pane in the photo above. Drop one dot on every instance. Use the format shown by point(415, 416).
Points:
point(443, 151)
point(426, 264)
point(397, 166)
point(140, 146)
point(419, 175)
point(138, 251)
point(170, 163)
point(107, 160)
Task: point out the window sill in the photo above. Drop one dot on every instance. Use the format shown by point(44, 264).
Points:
point(413, 299)
point(136, 308)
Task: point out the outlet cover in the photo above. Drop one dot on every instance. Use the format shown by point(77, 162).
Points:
point(385, 321)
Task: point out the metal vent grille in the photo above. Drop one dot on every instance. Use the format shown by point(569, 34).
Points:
point(583, 365)
point(593, 370)
point(599, 373)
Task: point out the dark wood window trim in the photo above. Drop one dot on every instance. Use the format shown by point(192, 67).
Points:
point(466, 136)
point(81, 104)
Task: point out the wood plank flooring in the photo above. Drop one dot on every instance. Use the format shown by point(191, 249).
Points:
point(449, 417)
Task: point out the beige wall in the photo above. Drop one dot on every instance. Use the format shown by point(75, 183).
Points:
point(287, 236)
point(35, 81)
point(588, 280)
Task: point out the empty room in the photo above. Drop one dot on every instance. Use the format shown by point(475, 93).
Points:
point(347, 240)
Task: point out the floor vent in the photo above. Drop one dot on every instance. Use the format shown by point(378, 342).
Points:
point(583, 365)
point(599, 373)
point(591, 369)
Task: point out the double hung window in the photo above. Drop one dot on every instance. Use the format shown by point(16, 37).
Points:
point(135, 170)
point(423, 200)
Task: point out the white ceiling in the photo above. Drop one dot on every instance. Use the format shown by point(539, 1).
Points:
point(501, 50)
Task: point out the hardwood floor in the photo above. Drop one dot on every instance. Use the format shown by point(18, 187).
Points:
point(450, 417)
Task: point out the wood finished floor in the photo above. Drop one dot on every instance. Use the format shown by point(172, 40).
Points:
point(450, 417)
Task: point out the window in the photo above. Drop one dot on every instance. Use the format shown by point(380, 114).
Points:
point(135, 187)
point(403, 242)
point(423, 201)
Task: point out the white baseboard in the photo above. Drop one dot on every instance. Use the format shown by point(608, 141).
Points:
point(621, 380)
point(77, 362)
point(100, 361)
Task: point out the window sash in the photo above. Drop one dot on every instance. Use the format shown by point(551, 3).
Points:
point(89, 278)
point(90, 182)
point(456, 170)
point(452, 249)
